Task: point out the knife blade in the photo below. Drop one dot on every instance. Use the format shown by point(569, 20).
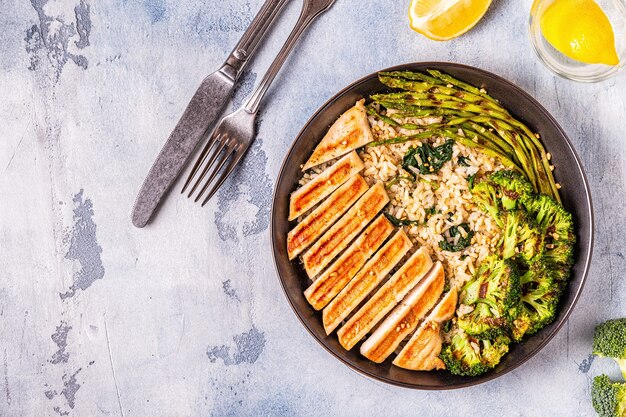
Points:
point(201, 113)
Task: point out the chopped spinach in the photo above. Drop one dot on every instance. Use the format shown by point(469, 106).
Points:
point(470, 180)
point(463, 161)
point(431, 211)
point(427, 159)
point(401, 222)
point(462, 243)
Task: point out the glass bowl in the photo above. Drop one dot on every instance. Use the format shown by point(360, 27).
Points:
point(569, 68)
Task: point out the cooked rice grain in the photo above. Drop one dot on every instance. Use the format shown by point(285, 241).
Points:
point(445, 192)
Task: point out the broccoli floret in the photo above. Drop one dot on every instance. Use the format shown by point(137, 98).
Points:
point(557, 227)
point(521, 236)
point(540, 297)
point(502, 190)
point(560, 254)
point(466, 355)
point(461, 358)
point(514, 188)
point(552, 218)
point(539, 301)
point(483, 322)
point(494, 292)
point(486, 195)
point(493, 350)
point(538, 234)
point(608, 398)
point(610, 341)
point(560, 272)
point(521, 325)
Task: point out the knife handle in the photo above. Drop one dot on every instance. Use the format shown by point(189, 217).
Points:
point(248, 43)
point(311, 9)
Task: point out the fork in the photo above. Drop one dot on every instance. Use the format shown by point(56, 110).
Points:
point(234, 134)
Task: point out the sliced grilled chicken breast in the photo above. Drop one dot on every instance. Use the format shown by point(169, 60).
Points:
point(316, 223)
point(314, 191)
point(421, 353)
point(368, 278)
point(385, 299)
point(336, 276)
point(427, 349)
point(349, 132)
point(337, 238)
point(403, 319)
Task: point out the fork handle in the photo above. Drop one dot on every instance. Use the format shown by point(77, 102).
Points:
point(250, 40)
point(310, 10)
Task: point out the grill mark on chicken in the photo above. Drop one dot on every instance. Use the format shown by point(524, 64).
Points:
point(335, 278)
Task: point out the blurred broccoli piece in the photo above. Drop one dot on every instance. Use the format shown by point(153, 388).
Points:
point(469, 356)
point(610, 341)
point(608, 398)
point(494, 292)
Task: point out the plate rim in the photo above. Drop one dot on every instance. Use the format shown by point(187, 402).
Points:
point(587, 251)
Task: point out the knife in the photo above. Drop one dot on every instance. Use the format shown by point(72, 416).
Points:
point(201, 113)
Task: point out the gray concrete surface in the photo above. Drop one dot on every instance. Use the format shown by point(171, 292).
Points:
point(186, 317)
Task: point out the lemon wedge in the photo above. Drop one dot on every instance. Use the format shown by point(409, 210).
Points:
point(580, 30)
point(442, 20)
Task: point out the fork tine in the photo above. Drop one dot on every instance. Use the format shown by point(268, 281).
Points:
point(225, 173)
point(201, 158)
point(221, 144)
point(218, 166)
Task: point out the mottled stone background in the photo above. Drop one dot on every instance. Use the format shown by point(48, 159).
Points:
point(186, 317)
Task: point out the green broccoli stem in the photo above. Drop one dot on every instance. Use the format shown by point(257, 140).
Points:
point(514, 149)
point(372, 111)
point(393, 81)
point(460, 84)
point(414, 76)
point(401, 139)
point(391, 121)
point(529, 151)
point(438, 100)
point(485, 141)
point(622, 365)
point(414, 111)
point(463, 122)
point(485, 148)
point(407, 110)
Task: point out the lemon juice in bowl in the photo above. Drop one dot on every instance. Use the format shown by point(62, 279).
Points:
point(583, 40)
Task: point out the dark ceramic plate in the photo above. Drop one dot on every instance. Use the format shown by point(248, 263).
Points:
point(575, 194)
